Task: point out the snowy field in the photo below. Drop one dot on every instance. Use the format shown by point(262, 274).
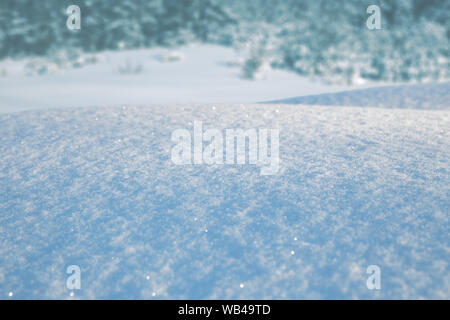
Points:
point(92, 96)
point(196, 73)
point(95, 187)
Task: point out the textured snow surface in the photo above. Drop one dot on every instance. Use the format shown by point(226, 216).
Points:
point(95, 187)
point(419, 96)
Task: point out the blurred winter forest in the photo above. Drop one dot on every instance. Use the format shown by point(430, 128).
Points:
point(316, 38)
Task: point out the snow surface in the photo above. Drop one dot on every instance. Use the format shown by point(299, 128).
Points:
point(418, 96)
point(191, 74)
point(95, 187)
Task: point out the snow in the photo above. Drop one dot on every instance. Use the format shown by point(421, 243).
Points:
point(418, 96)
point(95, 187)
point(196, 73)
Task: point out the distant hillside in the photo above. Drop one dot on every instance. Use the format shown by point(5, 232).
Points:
point(421, 96)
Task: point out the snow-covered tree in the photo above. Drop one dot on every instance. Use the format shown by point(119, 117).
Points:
point(319, 38)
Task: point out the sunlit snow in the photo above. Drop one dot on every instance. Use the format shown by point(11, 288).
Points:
point(95, 187)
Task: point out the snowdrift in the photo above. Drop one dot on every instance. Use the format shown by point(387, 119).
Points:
point(95, 187)
point(419, 96)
